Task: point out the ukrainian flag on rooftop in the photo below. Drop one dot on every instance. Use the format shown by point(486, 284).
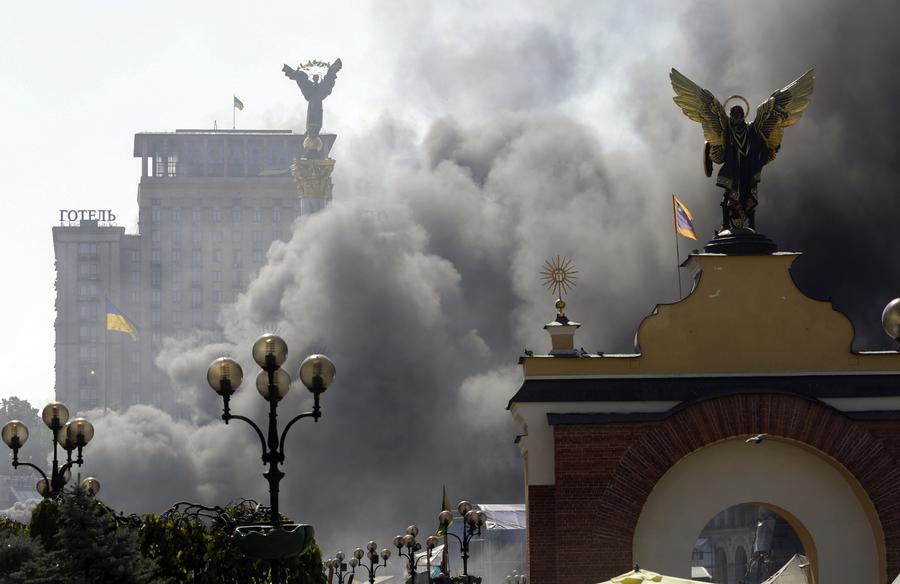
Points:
point(117, 321)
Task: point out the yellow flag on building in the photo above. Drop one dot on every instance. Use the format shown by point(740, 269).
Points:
point(117, 321)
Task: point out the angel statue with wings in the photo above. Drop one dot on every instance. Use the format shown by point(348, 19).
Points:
point(314, 90)
point(741, 148)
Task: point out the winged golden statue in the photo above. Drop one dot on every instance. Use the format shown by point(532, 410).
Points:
point(741, 148)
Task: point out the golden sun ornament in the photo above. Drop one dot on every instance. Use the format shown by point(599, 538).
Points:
point(559, 275)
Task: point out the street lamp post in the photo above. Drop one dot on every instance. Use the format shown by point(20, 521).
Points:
point(408, 540)
point(338, 567)
point(372, 554)
point(71, 435)
point(473, 521)
point(273, 383)
point(516, 578)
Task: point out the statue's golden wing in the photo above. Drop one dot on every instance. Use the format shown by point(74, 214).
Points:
point(783, 108)
point(702, 106)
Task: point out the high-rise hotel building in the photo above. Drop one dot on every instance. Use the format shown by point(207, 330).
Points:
point(210, 204)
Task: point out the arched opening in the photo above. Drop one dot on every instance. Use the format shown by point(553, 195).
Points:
point(751, 543)
point(740, 561)
point(829, 512)
point(720, 570)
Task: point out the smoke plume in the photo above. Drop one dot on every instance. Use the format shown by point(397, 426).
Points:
point(549, 132)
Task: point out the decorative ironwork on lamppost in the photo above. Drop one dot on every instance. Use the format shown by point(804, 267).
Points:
point(71, 435)
point(473, 520)
point(224, 375)
point(372, 555)
point(408, 541)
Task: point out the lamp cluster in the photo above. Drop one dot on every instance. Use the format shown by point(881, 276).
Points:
point(273, 383)
point(474, 520)
point(408, 541)
point(72, 435)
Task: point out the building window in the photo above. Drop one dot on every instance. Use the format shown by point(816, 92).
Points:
point(257, 237)
point(258, 256)
point(87, 291)
point(195, 277)
point(155, 297)
point(156, 278)
point(155, 256)
point(134, 277)
point(276, 235)
point(217, 255)
point(238, 278)
point(195, 318)
point(135, 357)
point(136, 296)
point(88, 311)
point(217, 296)
point(217, 215)
point(87, 333)
point(87, 353)
point(155, 212)
point(176, 296)
point(176, 255)
point(197, 237)
point(156, 317)
point(236, 236)
point(236, 215)
point(196, 257)
point(236, 258)
point(172, 165)
point(176, 215)
point(156, 338)
point(276, 213)
point(257, 216)
point(87, 251)
point(176, 317)
point(195, 215)
point(217, 275)
point(87, 376)
point(160, 166)
point(154, 235)
point(217, 236)
point(176, 237)
point(87, 271)
point(196, 298)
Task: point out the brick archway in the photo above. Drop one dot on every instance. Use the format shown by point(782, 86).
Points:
point(660, 445)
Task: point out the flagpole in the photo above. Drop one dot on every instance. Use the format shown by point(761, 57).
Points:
point(677, 251)
point(233, 113)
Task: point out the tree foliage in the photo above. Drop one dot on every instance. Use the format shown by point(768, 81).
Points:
point(79, 540)
point(37, 448)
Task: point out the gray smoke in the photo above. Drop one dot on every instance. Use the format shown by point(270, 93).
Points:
point(550, 132)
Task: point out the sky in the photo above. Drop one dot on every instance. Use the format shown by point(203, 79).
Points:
point(475, 140)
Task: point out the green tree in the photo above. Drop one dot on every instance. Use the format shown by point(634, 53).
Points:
point(85, 546)
point(37, 448)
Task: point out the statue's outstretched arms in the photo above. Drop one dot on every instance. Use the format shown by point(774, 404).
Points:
point(783, 108)
point(701, 106)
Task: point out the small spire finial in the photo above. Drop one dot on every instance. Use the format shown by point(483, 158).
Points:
point(559, 277)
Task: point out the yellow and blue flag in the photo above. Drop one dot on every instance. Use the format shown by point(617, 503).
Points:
point(238, 104)
point(684, 221)
point(117, 321)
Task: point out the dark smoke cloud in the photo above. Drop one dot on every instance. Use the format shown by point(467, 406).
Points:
point(556, 135)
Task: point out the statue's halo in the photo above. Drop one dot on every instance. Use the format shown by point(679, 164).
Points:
point(742, 98)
